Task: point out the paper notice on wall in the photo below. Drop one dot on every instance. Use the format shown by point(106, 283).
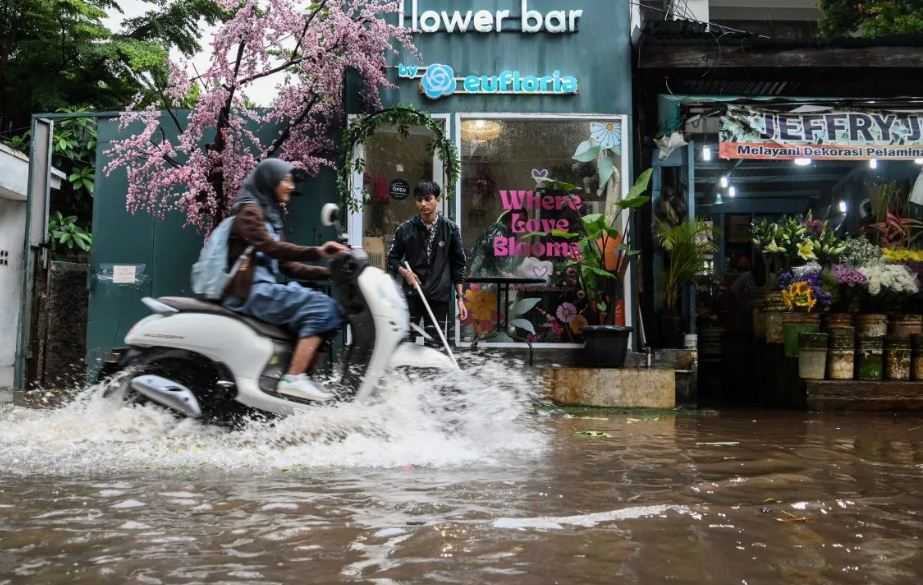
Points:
point(123, 274)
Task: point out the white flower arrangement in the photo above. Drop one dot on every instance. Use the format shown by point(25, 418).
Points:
point(895, 278)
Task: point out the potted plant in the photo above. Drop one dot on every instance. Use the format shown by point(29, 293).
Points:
point(689, 245)
point(598, 271)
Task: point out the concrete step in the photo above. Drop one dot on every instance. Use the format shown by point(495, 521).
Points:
point(829, 395)
point(621, 388)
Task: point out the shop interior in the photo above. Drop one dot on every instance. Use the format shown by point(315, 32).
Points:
point(733, 195)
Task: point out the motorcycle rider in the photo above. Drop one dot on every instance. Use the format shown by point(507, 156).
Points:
point(255, 289)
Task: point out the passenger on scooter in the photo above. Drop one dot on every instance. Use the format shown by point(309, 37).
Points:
point(255, 289)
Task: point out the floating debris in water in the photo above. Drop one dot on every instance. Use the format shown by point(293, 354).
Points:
point(594, 434)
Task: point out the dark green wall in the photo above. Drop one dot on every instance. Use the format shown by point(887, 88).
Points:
point(598, 55)
point(165, 248)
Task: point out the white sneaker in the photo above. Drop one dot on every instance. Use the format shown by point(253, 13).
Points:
point(301, 386)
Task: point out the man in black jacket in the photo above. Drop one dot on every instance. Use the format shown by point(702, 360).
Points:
point(433, 247)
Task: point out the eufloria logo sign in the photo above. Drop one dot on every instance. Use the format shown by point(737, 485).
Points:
point(439, 81)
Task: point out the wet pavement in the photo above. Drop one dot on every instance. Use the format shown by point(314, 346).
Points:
point(503, 493)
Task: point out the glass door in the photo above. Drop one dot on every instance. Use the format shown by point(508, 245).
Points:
point(394, 164)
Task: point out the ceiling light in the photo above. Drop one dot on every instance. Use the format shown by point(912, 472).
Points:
point(732, 191)
point(803, 162)
point(706, 153)
point(843, 207)
point(873, 163)
point(725, 182)
point(718, 199)
point(481, 130)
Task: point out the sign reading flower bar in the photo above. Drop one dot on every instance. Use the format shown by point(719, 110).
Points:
point(528, 21)
point(754, 133)
point(519, 203)
point(438, 81)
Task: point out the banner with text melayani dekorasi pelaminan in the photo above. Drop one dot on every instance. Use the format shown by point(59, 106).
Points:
point(821, 134)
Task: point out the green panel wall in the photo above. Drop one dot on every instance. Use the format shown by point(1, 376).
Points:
point(165, 248)
point(598, 55)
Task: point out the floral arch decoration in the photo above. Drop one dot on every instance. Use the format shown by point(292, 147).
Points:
point(403, 118)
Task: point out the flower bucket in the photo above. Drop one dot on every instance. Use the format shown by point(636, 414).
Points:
point(897, 359)
point(905, 326)
point(774, 311)
point(841, 358)
point(834, 320)
point(916, 343)
point(874, 325)
point(793, 325)
point(869, 357)
point(812, 356)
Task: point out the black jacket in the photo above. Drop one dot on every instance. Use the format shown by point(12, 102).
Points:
point(446, 266)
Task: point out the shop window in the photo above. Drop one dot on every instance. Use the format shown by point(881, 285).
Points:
point(519, 178)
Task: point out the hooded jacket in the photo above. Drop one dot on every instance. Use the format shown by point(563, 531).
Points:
point(255, 207)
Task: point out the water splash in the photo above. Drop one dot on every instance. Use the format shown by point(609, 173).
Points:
point(478, 416)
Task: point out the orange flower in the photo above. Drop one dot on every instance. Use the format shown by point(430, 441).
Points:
point(578, 324)
point(482, 305)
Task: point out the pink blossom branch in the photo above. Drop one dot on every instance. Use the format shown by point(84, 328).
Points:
point(198, 171)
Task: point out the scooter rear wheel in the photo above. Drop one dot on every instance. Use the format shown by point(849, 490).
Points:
point(194, 372)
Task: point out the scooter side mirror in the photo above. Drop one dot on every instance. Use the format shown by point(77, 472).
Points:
point(330, 215)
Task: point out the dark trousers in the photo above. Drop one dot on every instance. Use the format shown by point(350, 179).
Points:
point(418, 316)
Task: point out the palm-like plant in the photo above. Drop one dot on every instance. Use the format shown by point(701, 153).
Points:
point(690, 244)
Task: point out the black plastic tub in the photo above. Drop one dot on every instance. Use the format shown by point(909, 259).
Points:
point(606, 346)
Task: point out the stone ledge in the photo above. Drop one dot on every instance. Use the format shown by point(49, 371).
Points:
point(859, 395)
point(621, 388)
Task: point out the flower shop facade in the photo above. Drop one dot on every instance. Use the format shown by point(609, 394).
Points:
point(815, 210)
point(535, 97)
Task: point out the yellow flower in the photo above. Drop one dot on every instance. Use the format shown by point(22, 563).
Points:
point(898, 256)
point(774, 248)
point(806, 251)
point(799, 295)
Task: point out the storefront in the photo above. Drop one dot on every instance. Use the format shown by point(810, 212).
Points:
point(518, 86)
point(816, 206)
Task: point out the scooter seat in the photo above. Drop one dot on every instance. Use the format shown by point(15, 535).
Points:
point(190, 305)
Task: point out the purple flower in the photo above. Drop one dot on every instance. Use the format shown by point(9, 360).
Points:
point(814, 226)
point(848, 276)
point(566, 312)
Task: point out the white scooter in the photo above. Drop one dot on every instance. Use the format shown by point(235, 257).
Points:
point(203, 361)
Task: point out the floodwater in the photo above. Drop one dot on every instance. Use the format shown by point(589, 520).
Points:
point(480, 487)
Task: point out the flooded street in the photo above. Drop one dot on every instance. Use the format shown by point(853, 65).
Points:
point(497, 491)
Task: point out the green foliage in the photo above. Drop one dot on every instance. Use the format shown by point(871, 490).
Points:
point(58, 53)
point(689, 244)
point(67, 234)
point(871, 18)
point(597, 235)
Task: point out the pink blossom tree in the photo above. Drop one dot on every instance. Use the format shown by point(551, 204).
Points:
point(310, 47)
